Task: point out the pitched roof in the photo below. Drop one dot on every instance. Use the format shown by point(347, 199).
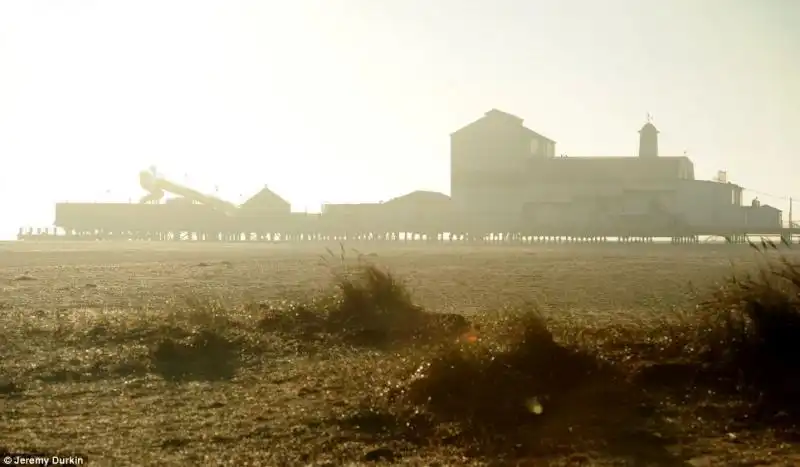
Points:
point(763, 206)
point(505, 117)
point(266, 199)
point(495, 113)
point(538, 135)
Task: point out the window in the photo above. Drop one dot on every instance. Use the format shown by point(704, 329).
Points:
point(535, 146)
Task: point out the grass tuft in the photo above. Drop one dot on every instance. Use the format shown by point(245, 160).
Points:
point(522, 395)
point(8, 387)
point(305, 321)
point(24, 278)
point(371, 307)
point(206, 355)
point(374, 308)
point(750, 331)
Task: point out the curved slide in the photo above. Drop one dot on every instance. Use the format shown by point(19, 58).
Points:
point(156, 187)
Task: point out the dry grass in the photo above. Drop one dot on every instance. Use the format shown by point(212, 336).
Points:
point(372, 308)
point(749, 336)
point(585, 356)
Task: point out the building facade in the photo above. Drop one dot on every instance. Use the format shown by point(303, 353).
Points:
point(506, 178)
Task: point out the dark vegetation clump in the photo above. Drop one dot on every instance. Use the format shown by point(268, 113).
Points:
point(8, 387)
point(371, 308)
point(204, 355)
point(748, 336)
point(302, 320)
point(24, 278)
point(493, 386)
point(521, 394)
point(374, 308)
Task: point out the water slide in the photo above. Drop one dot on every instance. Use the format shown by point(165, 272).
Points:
point(156, 186)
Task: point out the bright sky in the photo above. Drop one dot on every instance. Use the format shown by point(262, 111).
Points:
point(354, 100)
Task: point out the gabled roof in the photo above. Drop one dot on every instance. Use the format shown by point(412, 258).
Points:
point(495, 113)
point(506, 117)
point(266, 199)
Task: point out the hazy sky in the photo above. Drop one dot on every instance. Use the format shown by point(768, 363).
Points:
point(354, 100)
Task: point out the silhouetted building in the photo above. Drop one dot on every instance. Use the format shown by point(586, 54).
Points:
point(488, 159)
point(504, 179)
point(504, 175)
point(493, 151)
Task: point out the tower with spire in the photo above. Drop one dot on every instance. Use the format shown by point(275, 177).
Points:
point(648, 139)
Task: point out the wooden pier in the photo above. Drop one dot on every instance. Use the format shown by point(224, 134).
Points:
point(785, 235)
